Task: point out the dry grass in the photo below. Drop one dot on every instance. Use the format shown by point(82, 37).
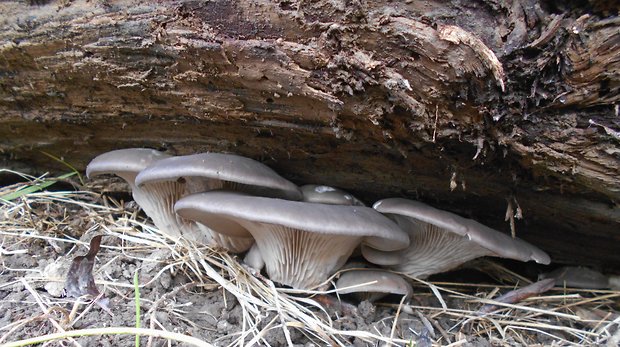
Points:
point(561, 317)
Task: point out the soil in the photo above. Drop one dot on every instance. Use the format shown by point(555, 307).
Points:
point(206, 313)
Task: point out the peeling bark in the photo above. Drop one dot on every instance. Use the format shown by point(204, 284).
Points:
point(464, 105)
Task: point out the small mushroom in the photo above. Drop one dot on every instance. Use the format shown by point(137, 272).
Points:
point(180, 176)
point(328, 195)
point(578, 277)
point(441, 241)
point(373, 285)
point(127, 163)
point(300, 243)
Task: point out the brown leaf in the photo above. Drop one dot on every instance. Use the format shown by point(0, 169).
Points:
point(80, 280)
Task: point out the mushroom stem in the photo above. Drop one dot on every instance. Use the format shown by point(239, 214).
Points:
point(156, 203)
point(254, 259)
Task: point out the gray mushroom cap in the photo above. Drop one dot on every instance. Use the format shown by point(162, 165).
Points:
point(125, 163)
point(128, 163)
point(499, 243)
point(311, 193)
point(328, 195)
point(578, 277)
point(301, 243)
point(189, 174)
point(359, 221)
point(377, 283)
point(441, 241)
point(208, 169)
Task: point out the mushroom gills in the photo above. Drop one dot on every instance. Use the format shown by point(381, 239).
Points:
point(230, 243)
point(299, 258)
point(501, 245)
point(432, 250)
point(198, 232)
point(441, 240)
point(301, 243)
point(127, 164)
point(169, 192)
point(156, 203)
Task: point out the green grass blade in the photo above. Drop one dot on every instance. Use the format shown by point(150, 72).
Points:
point(136, 289)
point(65, 164)
point(35, 187)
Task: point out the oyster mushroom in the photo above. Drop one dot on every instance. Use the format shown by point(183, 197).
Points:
point(127, 163)
point(328, 195)
point(311, 193)
point(373, 285)
point(578, 277)
point(176, 177)
point(441, 240)
point(301, 243)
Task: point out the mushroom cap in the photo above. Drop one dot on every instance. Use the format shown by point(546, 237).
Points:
point(126, 163)
point(389, 258)
point(499, 244)
point(383, 282)
point(222, 210)
point(328, 195)
point(155, 201)
point(253, 176)
point(300, 243)
point(578, 277)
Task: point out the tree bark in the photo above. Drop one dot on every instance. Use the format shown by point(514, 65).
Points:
point(477, 107)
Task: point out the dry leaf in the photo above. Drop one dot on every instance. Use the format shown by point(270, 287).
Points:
point(80, 280)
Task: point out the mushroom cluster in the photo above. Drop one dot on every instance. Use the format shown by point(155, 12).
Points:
point(301, 235)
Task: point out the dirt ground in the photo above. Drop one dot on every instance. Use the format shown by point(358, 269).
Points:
point(207, 312)
point(217, 300)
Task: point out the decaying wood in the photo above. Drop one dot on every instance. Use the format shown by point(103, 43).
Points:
point(465, 105)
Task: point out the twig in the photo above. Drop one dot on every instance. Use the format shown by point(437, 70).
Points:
point(111, 331)
point(520, 294)
point(45, 310)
